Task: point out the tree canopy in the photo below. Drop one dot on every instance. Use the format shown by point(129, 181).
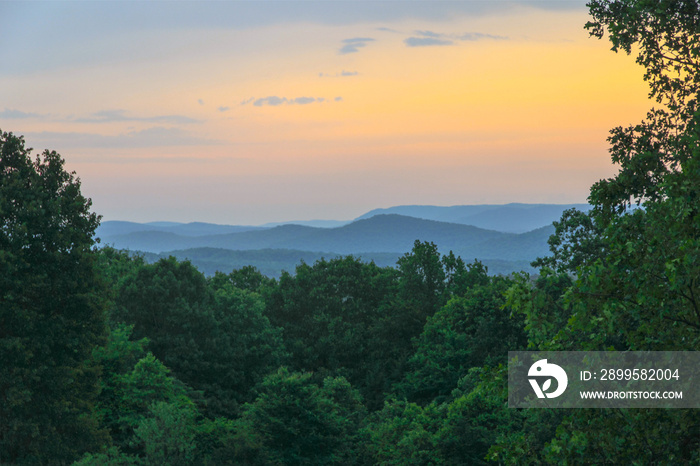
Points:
point(51, 312)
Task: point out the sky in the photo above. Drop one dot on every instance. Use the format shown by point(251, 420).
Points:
point(252, 112)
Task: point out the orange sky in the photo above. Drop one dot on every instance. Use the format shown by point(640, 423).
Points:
point(310, 116)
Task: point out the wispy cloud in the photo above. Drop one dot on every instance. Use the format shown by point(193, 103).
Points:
point(224, 109)
point(304, 100)
point(431, 38)
point(429, 34)
point(276, 101)
point(354, 45)
point(111, 116)
point(272, 100)
point(151, 137)
point(13, 114)
point(472, 36)
point(342, 74)
point(426, 42)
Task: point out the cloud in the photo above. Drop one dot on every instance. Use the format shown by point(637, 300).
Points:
point(429, 34)
point(200, 101)
point(472, 36)
point(13, 114)
point(303, 100)
point(426, 42)
point(151, 137)
point(111, 116)
point(342, 74)
point(123, 32)
point(272, 100)
point(430, 38)
point(223, 109)
point(354, 45)
point(276, 101)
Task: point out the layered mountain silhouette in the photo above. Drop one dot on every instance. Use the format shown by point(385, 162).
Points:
point(508, 218)
point(381, 235)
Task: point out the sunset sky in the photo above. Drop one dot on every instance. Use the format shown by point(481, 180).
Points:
point(252, 112)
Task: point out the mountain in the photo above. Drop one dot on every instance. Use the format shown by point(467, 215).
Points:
point(378, 234)
point(114, 228)
point(514, 247)
point(516, 235)
point(508, 218)
point(381, 233)
point(310, 223)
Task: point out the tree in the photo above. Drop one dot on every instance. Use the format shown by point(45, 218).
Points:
point(242, 349)
point(117, 358)
point(637, 269)
point(403, 433)
point(636, 285)
point(246, 278)
point(216, 341)
point(168, 436)
point(335, 321)
point(472, 330)
point(51, 309)
point(422, 283)
point(294, 421)
point(666, 36)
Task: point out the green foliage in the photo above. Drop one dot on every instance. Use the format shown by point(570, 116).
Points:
point(117, 358)
point(335, 320)
point(636, 285)
point(148, 383)
point(472, 423)
point(665, 34)
point(403, 433)
point(294, 421)
point(422, 283)
point(115, 265)
point(240, 351)
point(168, 435)
point(218, 342)
point(51, 309)
point(246, 278)
point(215, 442)
point(599, 436)
point(472, 330)
point(111, 457)
point(166, 302)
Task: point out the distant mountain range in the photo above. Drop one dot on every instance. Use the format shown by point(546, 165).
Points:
point(115, 228)
point(507, 218)
point(382, 235)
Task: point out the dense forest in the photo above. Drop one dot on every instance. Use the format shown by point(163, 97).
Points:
point(110, 360)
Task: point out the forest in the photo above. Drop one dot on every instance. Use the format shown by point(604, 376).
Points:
point(110, 360)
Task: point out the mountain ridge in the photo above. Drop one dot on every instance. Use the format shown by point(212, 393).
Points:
point(389, 233)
